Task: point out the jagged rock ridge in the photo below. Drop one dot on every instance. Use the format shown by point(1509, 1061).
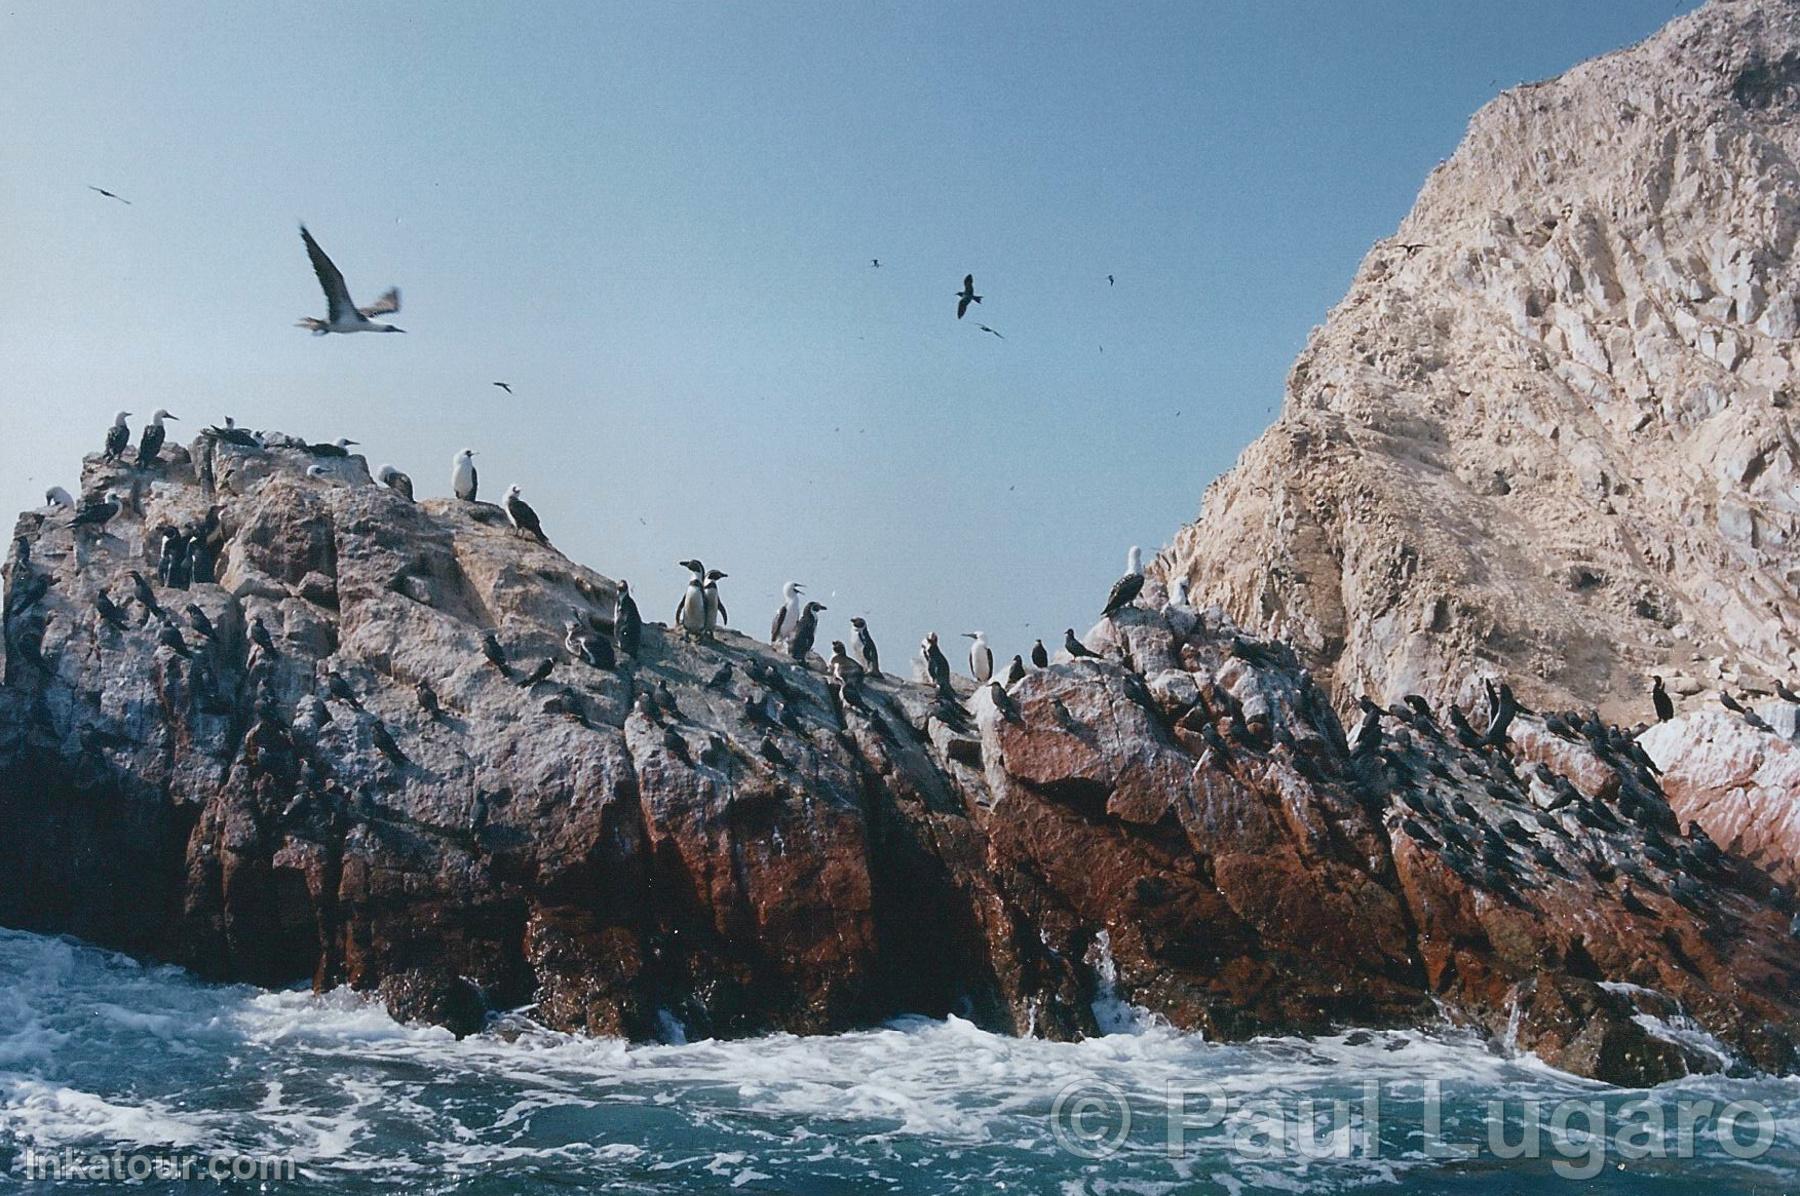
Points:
point(707, 833)
point(1548, 434)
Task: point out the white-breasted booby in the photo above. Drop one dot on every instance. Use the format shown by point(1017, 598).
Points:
point(1127, 588)
point(981, 657)
point(966, 296)
point(787, 616)
point(1178, 596)
point(396, 481)
point(154, 434)
point(463, 478)
point(523, 517)
point(341, 313)
point(117, 437)
point(96, 512)
point(336, 448)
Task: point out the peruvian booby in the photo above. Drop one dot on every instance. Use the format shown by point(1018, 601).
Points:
point(1127, 588)
point(628, 624)
point(966, 296)
point(806, 630)
point(787, 616)
point(690, 612)
point(57, 499)
point(117, 437)
point(154, 434)
point(341, 313)
point(1178, 596)
point(336, 448)
point(396, 481)
point(1076, 648)
point(865, 646)
point(1659, 697)
point(981, 657)
point(522, 516)
point(463, 478)
point(716, 614)
point(1039, 656)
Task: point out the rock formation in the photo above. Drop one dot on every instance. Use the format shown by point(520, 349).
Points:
point(1549, 432)
point(709, 834)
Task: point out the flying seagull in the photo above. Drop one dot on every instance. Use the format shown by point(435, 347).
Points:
point(341, 313)
point(109, 194)
point(966, 296)
point(506, 386)
point(985, 328)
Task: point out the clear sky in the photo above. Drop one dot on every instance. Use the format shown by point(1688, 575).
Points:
point(656, 222)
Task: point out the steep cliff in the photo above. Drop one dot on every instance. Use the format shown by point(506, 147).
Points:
point(1549, 433)
point(706, 834)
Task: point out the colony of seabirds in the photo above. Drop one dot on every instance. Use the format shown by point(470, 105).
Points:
point(189, 555)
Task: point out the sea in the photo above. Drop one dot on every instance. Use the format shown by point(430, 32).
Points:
point(121, 1075)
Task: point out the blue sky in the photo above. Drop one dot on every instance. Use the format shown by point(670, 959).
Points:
point(656, 222)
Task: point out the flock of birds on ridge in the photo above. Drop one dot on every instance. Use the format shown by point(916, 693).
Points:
point(700, 611)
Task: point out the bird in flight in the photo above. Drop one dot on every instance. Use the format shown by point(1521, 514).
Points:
point(874, 263)
point(985, 328)
point(1109, 280)
point(966, 296)
point(341, 313)
point(109, 194)
point(506, 386)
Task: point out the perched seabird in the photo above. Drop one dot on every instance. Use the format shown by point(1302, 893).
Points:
point(384, 742)
point(840, 668)
point(522, 516)
point(165, 554)
point(542, 672)
point(981, 657)
point(1127, 588)
point(865, 647)
point(593, 650)
point(109, 610)
point(319, 473)
point(1076, 648)
point(201, 623)
point(1730, 703)
point(496, 655)
point(1178, 595)
point(936, 666)
point(506, 386)
point(1039, 656)
point(1015, 672)
point(806, 630)
point(396, 481)
point(154, 434)
point(259, 635)
point(966, 296)
point(337, 687)
point(716, 614)
point(232, 434)
point(117, 437)
point(1786, 694)
point(337, 448)
point(788, 614)
point(146, 595)
point(628, 624)
point(690, 612)
point(108, 194)
point(56, 498)
point(170, 638)
point(463, 479)
point(341, 313)
point(428, 700)
point(1659, 698)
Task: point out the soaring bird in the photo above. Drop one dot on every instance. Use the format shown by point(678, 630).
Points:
point(522, 516)
point(506, 386)
point(1076, 648)
point(981, 657)
point(396, 481)
point(865, 646)
point(1109, 280)
point(108, 194)
point(1039, 656)
point(985, 328)
point(1127, 588)
point(966, 296)
point(874, 263)
point(788, 614)
point(117, 437)
point(341, 313)
point(463, 478)
point(628, 624)
point(1659, 697)
point(154, 435)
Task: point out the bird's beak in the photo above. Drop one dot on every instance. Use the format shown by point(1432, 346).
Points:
point(723, 575)
point(174, 417)
point(349, 442)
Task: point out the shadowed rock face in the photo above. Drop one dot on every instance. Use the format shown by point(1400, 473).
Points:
point(1549, 431)
point(743, 850)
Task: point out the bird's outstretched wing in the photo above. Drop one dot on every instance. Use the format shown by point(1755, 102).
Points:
point(331, 280)
point(109, 194)
point(506, 386)
point(962, 305)
point(387, 305)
